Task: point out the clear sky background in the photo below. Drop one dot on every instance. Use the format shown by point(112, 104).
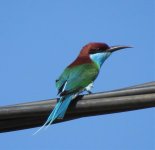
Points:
point(38, 39)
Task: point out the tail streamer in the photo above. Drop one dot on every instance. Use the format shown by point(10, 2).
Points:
point(58, 111)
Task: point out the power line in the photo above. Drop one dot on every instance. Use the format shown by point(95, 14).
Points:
point(34, 114)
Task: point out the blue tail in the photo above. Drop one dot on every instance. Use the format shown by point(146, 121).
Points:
point(58, 111)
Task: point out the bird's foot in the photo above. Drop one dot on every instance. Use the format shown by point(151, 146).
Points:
point(89, 92)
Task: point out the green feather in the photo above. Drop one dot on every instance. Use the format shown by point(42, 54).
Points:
point(77, 77)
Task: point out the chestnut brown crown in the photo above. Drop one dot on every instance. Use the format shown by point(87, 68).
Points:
point(92, 48)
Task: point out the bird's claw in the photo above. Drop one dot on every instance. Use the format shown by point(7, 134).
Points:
point(89, 92)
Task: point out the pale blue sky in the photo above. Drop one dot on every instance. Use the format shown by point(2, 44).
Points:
point(38, 39)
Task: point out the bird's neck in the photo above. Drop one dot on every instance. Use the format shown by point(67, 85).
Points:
point(99, 58)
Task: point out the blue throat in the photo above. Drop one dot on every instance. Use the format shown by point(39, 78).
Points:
point(99, 58)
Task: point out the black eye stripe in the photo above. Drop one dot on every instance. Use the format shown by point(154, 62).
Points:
point(94, 51)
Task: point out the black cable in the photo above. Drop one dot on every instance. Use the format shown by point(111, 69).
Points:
point(33, 114)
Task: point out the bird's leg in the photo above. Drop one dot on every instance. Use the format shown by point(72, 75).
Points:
point(89, 92)
point(89, 87)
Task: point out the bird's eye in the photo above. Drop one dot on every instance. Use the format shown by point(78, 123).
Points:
point(95, 50)
point(92, 51)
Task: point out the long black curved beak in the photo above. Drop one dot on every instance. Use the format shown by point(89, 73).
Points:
point(116, 48)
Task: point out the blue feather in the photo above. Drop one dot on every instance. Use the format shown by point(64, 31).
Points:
point(58, 111)
point(64, 106)
point(99, 58)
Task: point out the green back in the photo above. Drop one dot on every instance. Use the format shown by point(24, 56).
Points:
point(77, 78)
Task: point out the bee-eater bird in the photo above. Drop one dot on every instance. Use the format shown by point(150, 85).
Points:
point(79, 76)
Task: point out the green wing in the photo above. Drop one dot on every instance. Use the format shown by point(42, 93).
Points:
point(76, 78)
point(62, 80)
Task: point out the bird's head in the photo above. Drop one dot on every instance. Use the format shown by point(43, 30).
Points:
point(99, 52)
point(96, 48)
